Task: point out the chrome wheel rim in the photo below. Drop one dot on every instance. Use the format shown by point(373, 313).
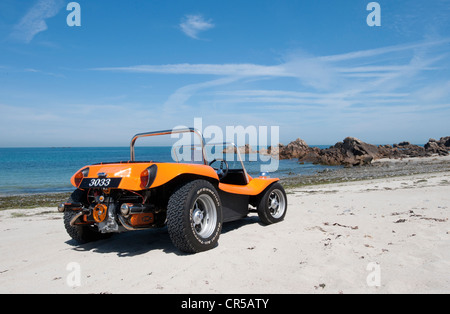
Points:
point(277, 204)
point(204, 216)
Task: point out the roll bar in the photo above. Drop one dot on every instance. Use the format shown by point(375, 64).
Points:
point(167, 132)
point(225, 145)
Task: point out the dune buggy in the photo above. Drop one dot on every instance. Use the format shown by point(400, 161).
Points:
point(192, 199)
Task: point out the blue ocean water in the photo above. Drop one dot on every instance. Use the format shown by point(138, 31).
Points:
point(46, 170)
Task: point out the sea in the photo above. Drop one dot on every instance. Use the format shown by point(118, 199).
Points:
point(48, 170)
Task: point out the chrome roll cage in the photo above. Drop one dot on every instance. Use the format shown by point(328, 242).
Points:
point(168, 132)
point(186, 130)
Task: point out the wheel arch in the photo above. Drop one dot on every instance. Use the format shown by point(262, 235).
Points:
point(186, 177)
point(254, 199)
point(168, 188)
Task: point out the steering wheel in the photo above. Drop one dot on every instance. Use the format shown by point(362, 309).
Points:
point(221, 171)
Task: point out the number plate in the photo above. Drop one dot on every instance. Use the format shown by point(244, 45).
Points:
point(100, 183)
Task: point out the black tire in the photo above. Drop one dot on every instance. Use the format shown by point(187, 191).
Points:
point(194, 217)
point(272, 206)
point(81, 234)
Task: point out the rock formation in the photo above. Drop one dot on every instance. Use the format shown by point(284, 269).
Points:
point(440, 147)
point(295, 149)
point(246, 149)
point(350, 152)
point(353, 152)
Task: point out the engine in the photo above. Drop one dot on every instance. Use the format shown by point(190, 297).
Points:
point(117, 210)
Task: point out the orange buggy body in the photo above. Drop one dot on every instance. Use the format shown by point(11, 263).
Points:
point(192, 200)
point(129, 174)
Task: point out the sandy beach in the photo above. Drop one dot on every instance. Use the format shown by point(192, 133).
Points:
point(389, 235)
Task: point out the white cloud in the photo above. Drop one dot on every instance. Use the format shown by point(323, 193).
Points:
point(354, 82)
point(182, 95)
point(316, 71)
point(384, 50)
point(242, 69)
point(192, 25)
point(34, 20)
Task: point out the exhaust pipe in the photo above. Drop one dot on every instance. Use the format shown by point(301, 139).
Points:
point(127, 209)
point(69, 206)
point(129, 227)
point(75, 218)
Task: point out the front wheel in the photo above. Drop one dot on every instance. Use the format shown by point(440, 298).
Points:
point(272, 206)
point(194, 217)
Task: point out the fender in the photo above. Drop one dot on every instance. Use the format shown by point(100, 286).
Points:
point(254, 187)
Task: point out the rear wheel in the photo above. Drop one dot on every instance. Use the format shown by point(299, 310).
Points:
point(272, 206)
point(81, 233)
point(194, 217)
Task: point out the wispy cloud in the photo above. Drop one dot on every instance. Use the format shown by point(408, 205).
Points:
point(298, 65)
point(356, 81)
point(34, 20)
point(192, 25)
point(32, 70)
point(384, 50)
point(205, 69)
point(182, 95)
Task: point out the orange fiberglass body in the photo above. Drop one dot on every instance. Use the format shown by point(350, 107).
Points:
point(130, 175)
point(193, 200)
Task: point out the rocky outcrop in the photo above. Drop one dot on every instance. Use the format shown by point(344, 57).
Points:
point(246, 149)
point(350, 152)
point(440, 147)
point(388, 151)
point(354, 152)
point(295, 149)
point(274, 151)
point(406, 149)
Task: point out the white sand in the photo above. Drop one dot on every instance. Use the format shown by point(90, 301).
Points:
point(329, 237)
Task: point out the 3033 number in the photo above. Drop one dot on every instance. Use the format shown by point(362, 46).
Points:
point(99, 182)
point(89, 183)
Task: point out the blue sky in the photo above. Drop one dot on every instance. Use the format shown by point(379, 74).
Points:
point(313, 68)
